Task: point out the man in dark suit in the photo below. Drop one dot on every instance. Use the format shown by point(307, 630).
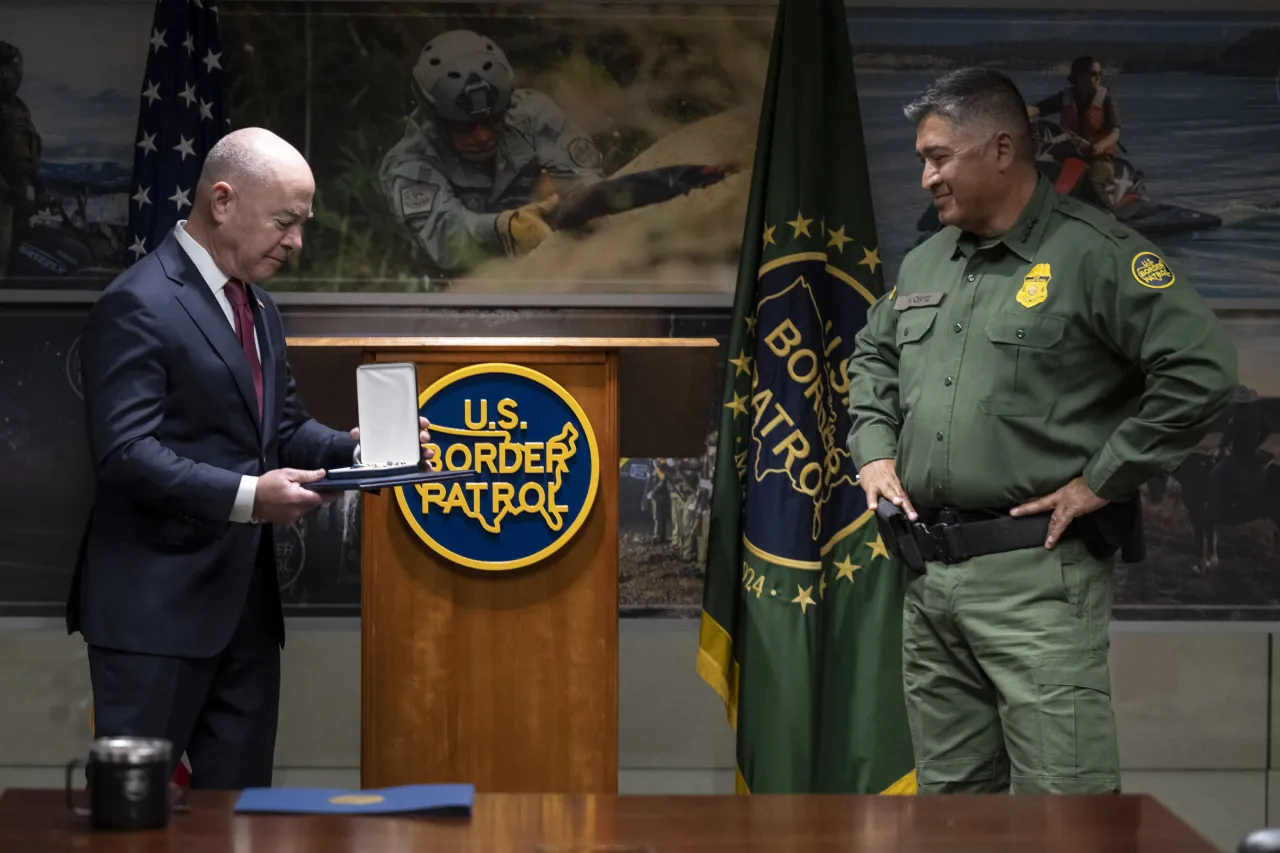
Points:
point(192, 412)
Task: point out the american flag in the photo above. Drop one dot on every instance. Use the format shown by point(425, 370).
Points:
point(183, 113)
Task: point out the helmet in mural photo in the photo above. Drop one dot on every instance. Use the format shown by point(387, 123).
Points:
point(10, 67)
point(462, 76)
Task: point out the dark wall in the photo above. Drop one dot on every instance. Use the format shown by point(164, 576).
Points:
point(49, 477)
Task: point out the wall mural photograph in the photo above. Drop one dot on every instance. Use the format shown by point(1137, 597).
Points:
point(606, 150)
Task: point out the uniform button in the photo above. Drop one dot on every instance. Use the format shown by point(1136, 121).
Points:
point(938, 436)
point(947, 382)
point(972, 276)
point(959, 327)
point(1021, 333)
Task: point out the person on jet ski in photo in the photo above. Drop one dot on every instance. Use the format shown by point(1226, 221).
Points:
point(1089, 111)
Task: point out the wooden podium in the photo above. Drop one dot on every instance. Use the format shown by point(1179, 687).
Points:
point(507, 680)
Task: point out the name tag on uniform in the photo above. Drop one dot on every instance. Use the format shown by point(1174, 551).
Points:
point(917, 300)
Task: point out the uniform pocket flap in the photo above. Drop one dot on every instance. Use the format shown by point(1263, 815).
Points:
point(914, 324)
point(1084, 671)
point(1040, 331)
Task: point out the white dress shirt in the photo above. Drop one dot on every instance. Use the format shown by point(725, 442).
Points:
point(242, 509)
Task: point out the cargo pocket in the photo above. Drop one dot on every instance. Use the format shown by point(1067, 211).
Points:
point(914, 328)
point(1077, 727)
point(1023, 363)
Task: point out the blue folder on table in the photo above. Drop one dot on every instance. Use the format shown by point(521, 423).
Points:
point(434, 800)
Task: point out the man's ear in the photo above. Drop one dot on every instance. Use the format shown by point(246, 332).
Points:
point(221, 198)
point(1006, 150)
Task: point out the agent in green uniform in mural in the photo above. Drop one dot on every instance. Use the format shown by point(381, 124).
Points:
point(1036, 363)
point(476, 173)
point(20, 146)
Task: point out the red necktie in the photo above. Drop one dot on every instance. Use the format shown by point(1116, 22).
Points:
point(239, 299)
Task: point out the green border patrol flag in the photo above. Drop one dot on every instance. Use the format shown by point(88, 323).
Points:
point(802, 607)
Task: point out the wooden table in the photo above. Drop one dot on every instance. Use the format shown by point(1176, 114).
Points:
point(37, 822)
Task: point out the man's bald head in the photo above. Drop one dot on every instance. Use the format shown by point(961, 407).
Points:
point(253, 196)
point(247, 157)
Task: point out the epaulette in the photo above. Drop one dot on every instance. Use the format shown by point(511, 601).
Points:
point(1113, 229)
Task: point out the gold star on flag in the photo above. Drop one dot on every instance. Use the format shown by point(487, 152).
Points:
point(739, 404)
point(847, 567)
point(741, 363)
point(871, 258)
point(877, 548)
point(801, 225)
point(822, 587)
point(768, 234)
point(751, 323)
point(838, 239)
point(804, 599)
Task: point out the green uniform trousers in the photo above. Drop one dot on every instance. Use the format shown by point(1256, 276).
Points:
point(1005, 673)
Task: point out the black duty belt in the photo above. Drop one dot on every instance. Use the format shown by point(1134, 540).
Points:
point(949, 537)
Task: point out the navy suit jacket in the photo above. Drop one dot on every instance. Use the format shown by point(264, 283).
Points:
point(173, 425)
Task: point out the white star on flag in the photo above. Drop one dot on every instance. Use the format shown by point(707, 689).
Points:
point(184, 113)
point(180, 198)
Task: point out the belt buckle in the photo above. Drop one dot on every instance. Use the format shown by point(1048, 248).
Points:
point(931, 542)
point(941, 542)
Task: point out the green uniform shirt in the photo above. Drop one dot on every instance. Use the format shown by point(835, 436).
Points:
point(997, 372)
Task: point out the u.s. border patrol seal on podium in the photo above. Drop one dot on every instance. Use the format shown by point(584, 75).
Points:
point(536, 461)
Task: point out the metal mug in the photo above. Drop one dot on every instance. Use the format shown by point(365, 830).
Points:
point(127, 783)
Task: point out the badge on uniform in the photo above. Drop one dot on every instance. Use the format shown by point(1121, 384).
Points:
point(1151, 271)
point(584, 153)
point(1035, 286)
point(417, 198)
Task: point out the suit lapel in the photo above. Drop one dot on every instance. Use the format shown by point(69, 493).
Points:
point(198, 300)
point(267, 354)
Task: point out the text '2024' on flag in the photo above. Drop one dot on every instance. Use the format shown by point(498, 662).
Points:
point(802, 606)
point(182, 113)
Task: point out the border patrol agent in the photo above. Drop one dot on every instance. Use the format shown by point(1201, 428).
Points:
point(1036, 363)
point(472, 177)
point(20, 147)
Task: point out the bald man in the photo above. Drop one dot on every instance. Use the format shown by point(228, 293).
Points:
point(198, 439)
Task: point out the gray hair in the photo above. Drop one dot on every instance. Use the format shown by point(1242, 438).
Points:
point(243, 157)
point(977, 96)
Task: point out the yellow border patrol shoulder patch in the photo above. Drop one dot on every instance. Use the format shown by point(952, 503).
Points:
point(1150, 270)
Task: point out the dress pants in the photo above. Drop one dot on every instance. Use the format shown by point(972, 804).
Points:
point(222, 711)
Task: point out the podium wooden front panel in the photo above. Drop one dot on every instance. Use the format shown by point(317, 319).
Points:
point(507, 680)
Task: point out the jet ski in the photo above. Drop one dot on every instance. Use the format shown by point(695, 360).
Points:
point(1062, 157)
